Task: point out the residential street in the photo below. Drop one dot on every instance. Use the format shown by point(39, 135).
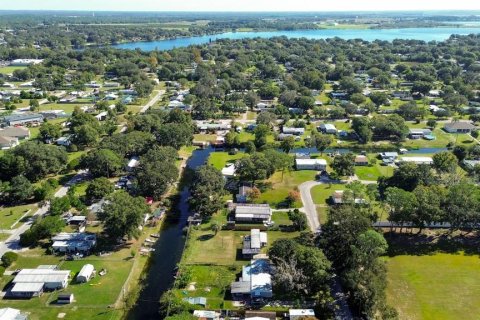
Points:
point(153, 101)
point(12, 243)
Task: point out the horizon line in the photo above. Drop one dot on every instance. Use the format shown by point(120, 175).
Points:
point(247, 11)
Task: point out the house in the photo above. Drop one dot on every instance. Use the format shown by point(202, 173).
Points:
point(388, 157)
point(32, 282)
point(419, 133)
point(294, 131)
point(255, 282)
point(339, 95)
point(311, 164)
point(212, 126)
point(403, 95)
point(53, 114)
point(12, 314)
point(25, 62)
point(80, 242)
point(283, 136)
point(86, 273)
point(263, 106)
point(253, 243)
point(470, 164)
point(111, 96)
point(8, 142)
point(102, 116)
point(133, 163)
point(201, 301)
point(77, 220)
point(361, 160)
point(206, 315)
point(129, 92)
point(229, 171)
point(23, 119)
point(327, 128)
point(127, 100)
point(459, 127)
point(65, 298)
point(21, 133)
point(64, 141)
point(417, 160)
point(295, 314)
point(338, 198)
point(68, 99)
point(253, 213)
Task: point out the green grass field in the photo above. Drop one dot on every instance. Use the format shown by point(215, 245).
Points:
point(321, 193)
point(220, 159)
point(9, 215)
point(10, 69)
point(434, 287)
point(282, 184)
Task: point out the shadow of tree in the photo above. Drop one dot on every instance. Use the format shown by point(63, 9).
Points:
point(205, 237)
point(425, 244)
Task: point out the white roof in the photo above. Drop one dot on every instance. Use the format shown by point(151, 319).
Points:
point(311, 162)
point(41, 276)
point(427, 160)
point(27, 287)
point(86, 271)
point(204, 314)
point(9, 313)
point(301, 312)
point(133, 163)
point(251, 210)
point(229, 170)
point(328, 126)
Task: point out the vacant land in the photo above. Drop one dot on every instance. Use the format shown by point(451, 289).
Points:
point(9, 215)
point(10, 69)
point(439, 286)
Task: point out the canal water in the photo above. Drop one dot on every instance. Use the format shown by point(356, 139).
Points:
point(168, 252)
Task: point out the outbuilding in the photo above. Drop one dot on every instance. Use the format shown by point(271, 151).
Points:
point(311, 164)
point(86, 273)
point(65, 298)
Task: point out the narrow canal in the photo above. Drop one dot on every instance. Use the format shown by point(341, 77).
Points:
point(168, 252)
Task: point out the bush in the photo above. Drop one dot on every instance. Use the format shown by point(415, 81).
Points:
point(2, 271)
point(9, 258)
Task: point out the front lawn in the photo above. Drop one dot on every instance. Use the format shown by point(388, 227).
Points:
point(321, 193)
point(282, 184)
point(434, 287)
point(220, 159)
point(9, 215)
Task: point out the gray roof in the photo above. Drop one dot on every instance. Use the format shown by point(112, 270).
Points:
point(260, 209)
point(41, 276)
point(23, 117)
point(240, 287)
point(460, 125)
point(15, 132)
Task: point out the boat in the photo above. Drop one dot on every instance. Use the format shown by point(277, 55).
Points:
point(155, 235)
point(149, 240)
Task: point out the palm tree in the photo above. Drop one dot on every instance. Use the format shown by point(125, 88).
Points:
point(215, 227)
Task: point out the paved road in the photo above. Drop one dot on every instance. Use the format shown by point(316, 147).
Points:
point(152, 102)
point(12, 243)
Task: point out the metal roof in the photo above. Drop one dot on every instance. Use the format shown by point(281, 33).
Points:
point(253, 210)
point(41, 276)
point(28, 287)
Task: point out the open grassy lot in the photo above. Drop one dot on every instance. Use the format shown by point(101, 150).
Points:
point(321, 193)
point(220, 159)
point(9, 215)
point(282, 183)
point(372, 173)
point(438, 286)
point(10, 69)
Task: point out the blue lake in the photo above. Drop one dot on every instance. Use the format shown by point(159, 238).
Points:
point(425, 34)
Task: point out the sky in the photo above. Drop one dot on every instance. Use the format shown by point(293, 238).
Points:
point(239, 5)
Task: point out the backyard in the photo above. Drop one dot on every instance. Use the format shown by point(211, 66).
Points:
point(10, 215)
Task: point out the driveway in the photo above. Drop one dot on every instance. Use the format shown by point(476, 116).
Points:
point(152, 102)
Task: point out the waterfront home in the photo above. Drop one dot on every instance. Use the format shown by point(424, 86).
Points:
point(294, 131)
point(417, 160)
point(255, 282)
point(32, 282)
point(311, 164)
point(327, 128)
point(76, 242)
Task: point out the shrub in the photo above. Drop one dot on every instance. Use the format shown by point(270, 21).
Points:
point(8, 258)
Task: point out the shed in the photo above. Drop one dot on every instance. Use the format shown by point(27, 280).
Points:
point(85, 273)
point(65, 298)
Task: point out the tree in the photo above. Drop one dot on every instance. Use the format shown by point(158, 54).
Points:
point(98, 189)
point(85, 135)
point(49, 131)
point(321, 141)
point(9, 258)
point(34, 104)
point(255, 167)
point(460, 152)
point(60, 205)
point(299, 219)
point(378, 98)
point(445, 162)
point(361, 125)
point(368, 247)
point(402, 205)
point(157, 172)
point(267, 118)
point(175, 135)
point(287, 144)
point(261, 132)
point(102, 163)
point(122, 215)
point(207, 191)
point(344, 165)
point(42, 228)
point(430, 202)
point(431, 123)
point(357, 98)
point(20, 190)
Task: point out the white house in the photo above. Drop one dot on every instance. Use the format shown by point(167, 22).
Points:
point(74, 242)
point(133, 163)
point(207, 315)
point(32, 282)
point(327, 128)
point(255, 282)
point(300, 313)
point(417, 160)
point(294, 131)
point(253, 213)
point(311, 164)
point(85, 273)
point(229, 171)
point(459, 127)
